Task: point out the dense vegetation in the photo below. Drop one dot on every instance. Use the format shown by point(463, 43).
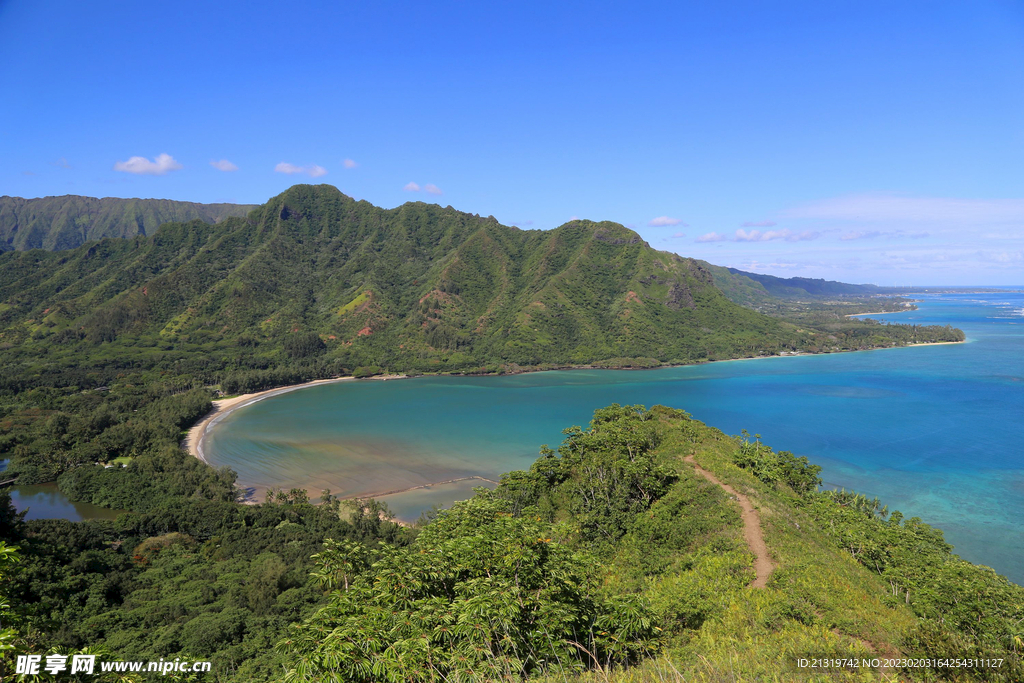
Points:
point(537, 578)
point(70, 221)
point(193, 578)
point(418, 288)
point(826, 307)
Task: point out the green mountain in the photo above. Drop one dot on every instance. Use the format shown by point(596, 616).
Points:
point(316, 274)
point(70, 221)
point(755, 289)
point(788, 287)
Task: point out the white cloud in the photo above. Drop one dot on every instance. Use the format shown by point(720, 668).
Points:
point(677, 235)
point(1007, 256)
point(291, 169)
point(143, 166)
point(712, 237)
point(430, 188)
point(349, 163)
point(772, 235)
point(860, 235)
point(893, 207)
point(62, 163)
point(223, 165)
point(411, 187)
point(758, 224)
point(666, 221)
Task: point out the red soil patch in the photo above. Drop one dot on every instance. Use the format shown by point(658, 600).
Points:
point(366, 331)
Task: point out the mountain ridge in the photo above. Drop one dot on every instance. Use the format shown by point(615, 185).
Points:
point(96, 224)
point(317, 280)
point(68, 221)
point(406, 286)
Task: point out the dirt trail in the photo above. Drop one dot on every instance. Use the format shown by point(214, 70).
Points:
point(763, 565)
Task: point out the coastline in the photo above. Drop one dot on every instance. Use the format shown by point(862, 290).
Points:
point(857, 315)
point(193, 442)
point(804, 353)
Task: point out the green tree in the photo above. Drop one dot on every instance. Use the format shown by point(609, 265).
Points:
point(480, 594)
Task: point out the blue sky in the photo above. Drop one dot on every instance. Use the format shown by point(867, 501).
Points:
point(861, 141)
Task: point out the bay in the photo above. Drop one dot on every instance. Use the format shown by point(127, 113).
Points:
point(934, 431)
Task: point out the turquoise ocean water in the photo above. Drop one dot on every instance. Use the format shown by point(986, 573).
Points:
point(935, 431)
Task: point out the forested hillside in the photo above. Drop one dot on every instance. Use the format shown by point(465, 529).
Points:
point(613, 558)
point(314, 273)
point(792, 287)
point(70, 221)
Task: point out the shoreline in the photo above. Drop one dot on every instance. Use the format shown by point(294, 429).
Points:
point(194, 438)
point(802, 354)
point(857, 315)
point(193, 441)
point(426, 486)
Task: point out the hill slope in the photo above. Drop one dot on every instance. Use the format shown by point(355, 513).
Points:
point(315, 274)
point(755, 289)
point(70, 221)
point(785, 287)
point(647, 502)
